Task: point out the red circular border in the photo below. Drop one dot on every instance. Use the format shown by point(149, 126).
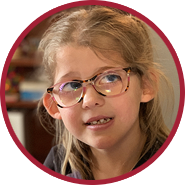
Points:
point(180, 73)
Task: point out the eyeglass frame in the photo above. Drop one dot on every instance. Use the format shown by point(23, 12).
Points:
point(84, 83)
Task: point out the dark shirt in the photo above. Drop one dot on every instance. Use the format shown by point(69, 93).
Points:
point(54, 162)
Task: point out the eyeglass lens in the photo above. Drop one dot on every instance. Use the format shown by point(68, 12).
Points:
point(108, 84)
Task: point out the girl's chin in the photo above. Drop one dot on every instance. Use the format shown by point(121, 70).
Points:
point(101, 144)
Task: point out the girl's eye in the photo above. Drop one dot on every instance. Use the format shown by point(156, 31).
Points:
point(111, 78)
point(70, 86)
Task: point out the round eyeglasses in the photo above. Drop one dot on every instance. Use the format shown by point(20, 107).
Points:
point(109, 83)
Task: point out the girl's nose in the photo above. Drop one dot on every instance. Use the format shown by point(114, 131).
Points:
point(92, 98)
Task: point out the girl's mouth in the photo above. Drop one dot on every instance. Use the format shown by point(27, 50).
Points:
point(99, 122)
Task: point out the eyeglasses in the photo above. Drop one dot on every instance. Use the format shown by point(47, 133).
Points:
point(110, 83)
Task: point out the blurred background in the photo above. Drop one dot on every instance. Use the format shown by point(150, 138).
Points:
point(26, 83)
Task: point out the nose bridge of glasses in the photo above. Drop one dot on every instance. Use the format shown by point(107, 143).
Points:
point(89, 81)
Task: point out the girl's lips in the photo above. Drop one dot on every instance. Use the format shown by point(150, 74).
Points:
point(100, 127)
point(97, 118)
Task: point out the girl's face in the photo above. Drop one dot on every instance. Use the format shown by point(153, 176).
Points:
point(82, 63)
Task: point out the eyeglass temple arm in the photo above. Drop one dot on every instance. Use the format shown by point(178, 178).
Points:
point(49, 90)
point(128, 69)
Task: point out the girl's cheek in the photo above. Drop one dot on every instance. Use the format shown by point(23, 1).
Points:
point(70, 117)
point(127, 108)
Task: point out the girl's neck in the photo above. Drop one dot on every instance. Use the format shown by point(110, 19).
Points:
point(117, 161)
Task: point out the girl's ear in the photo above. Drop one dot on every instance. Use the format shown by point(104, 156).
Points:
point(148, 91)
point(51, 106)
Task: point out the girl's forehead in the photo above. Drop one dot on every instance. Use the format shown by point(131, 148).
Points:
point(83, 62)
point(72, 56)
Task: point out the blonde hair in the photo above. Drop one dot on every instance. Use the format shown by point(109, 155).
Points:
point(104, 30)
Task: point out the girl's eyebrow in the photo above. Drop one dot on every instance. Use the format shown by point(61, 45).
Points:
point(73, 74)
point(68, 75)
point(103, 69)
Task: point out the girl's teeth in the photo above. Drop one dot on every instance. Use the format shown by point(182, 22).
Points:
point(94, 122)
point(101, 121)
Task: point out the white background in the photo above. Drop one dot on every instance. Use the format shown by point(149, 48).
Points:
point(180, 52)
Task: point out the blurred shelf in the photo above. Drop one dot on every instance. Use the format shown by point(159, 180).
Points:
point(25, 62)
point(22, 104)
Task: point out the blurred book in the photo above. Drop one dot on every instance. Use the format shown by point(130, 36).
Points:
point(31, 91)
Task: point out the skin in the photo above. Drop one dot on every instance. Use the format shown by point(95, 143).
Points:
point(123, 136)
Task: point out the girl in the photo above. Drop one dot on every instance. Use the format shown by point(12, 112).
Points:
point(104, 94)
